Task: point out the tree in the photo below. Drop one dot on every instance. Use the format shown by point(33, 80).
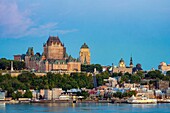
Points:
point(135, 79)
point(28, 94)
point(118, 94)
point(125, 78)
point(14, 96)
point(129, 94)
point(19, 65)
point(18, 95)
point(168, 73)
point(83, 93)
point(90, 68)
point(154, 74)
point(4, 64)
point(140, 73)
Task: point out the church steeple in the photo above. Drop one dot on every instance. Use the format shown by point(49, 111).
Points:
point(131, 62)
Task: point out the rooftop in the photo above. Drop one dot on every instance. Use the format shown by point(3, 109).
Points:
point(84, 46)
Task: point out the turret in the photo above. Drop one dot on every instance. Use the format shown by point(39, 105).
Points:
point(131, 62)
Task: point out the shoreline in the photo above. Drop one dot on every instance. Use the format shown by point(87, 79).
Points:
point(71, 101)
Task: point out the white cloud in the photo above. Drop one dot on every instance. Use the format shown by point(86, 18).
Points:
point(15, 23)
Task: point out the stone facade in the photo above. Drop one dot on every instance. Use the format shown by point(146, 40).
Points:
point(85, 54)
point(54, 58)
point(54, 49)
point(122, 67)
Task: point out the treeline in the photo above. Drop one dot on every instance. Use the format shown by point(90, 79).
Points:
point(6, 64)
point(90, 68)
point(27, 80)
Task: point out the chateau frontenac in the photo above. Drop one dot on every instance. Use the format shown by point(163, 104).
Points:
point(54, 58)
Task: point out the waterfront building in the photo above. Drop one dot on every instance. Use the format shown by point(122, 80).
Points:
point(158, 94)
point(47, 94)
point(168, 93)
point(41, 94)
point(85, 54)
point(56, 92)
point(2, 95)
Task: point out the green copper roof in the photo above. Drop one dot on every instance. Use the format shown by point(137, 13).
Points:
point(30, 51)
point(121, 60)
point(84, 46)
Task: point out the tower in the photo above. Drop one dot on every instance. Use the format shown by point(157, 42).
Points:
point(131, 62)
point(85, 54)
point(54, 49)
point(122, 63)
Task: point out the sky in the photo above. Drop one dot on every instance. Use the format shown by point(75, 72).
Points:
point(113, 29)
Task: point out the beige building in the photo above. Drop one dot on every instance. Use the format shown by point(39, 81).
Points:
point(164, 67)
point(122, 67)
point(85, 54)
point(56, 93)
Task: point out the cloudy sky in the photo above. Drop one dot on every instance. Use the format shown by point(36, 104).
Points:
point(113, 29)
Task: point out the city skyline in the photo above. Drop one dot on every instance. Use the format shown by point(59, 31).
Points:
point(112, 29)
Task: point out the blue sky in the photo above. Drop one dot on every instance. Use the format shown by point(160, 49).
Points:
point(113, 29)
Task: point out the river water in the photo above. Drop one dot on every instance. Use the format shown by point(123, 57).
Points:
point(84, 108)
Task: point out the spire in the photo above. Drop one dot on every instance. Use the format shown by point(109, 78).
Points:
point(131, 62)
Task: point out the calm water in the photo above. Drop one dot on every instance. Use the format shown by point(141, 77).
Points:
point(84, 108)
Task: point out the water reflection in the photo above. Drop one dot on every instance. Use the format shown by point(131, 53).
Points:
point(2, 106)
point(53, 107)
point(144, 106)
point(83, 108)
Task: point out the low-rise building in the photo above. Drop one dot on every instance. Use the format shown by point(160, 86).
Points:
point(48, 94)
point(56, 92)
point(2, 95)
point(163, 85)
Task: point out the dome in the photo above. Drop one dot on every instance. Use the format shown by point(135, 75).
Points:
point(84, 46)
point(121, 60)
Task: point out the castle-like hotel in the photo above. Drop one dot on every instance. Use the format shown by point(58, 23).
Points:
point(55, 58)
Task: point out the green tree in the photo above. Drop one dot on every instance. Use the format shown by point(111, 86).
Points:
point(154, 75)
point(19, 95)
point(168, 73)
point(83, 93)
point(118, 94)
point(135, 79)
point(125, 78)
point(28, 94)
point(4, 64)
